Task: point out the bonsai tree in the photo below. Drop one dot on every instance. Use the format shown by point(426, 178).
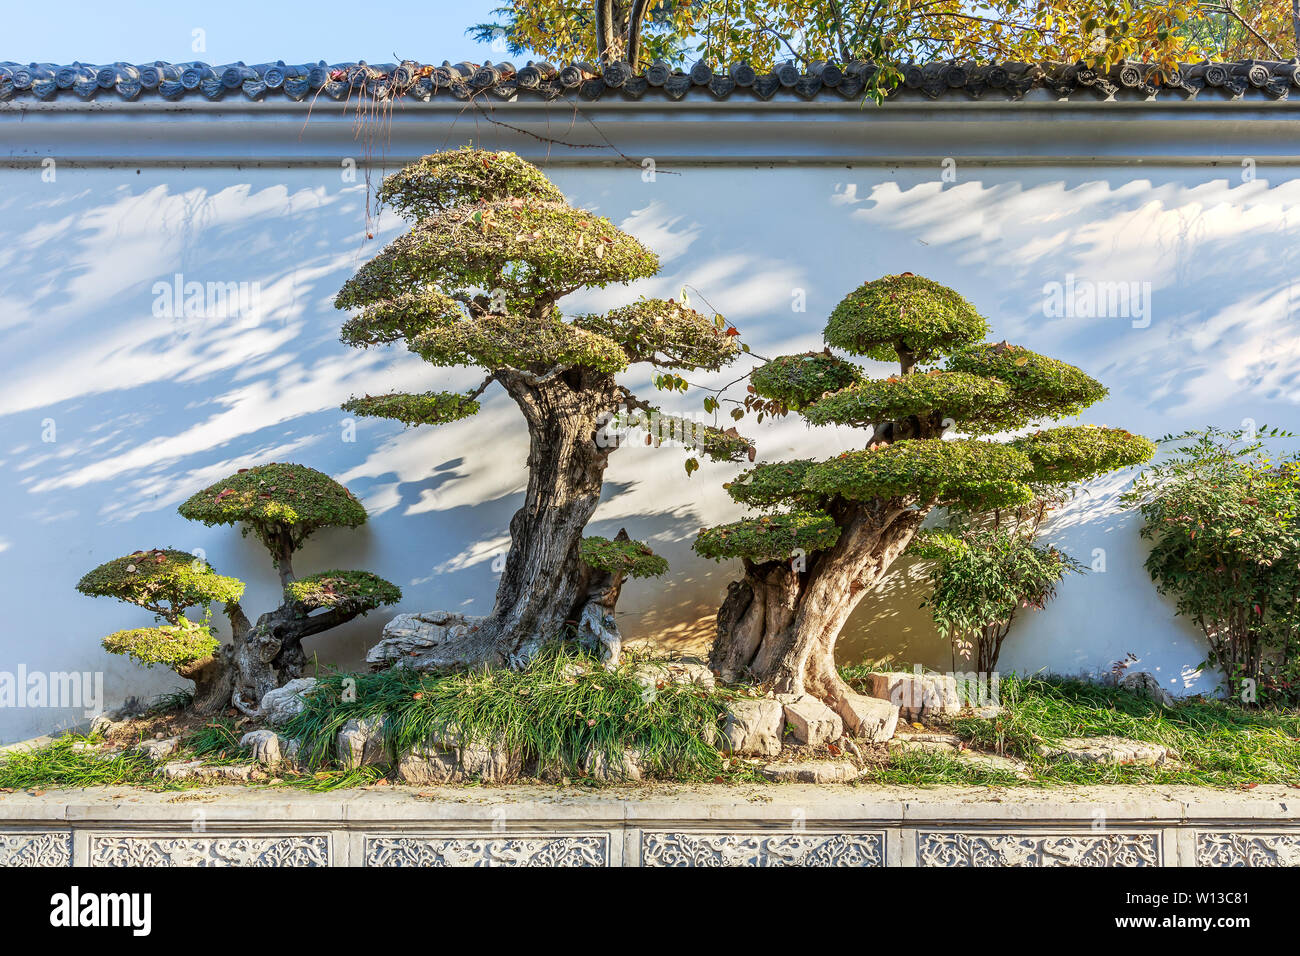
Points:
point(1223, 516)
point(477, 282)
point(169, 583)
point(282, 505)
point(827, 531)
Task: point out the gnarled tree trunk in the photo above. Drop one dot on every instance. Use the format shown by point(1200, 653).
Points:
point(269, 654)
point(214, 680)
point(545, 583)
point(779, 623)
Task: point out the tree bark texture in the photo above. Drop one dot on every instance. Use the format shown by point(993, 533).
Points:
point(545, 585)
point(778, 624)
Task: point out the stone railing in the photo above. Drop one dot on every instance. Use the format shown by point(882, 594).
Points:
point(698, 826)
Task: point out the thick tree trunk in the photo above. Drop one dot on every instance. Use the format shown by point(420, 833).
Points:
point(213, 682)
point(253, 651)
point(544, 587)
point(779, 624)
point(269, 654)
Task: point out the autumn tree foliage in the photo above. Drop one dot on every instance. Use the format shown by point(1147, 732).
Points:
point(826, 531)
point(892, 34)
point(478, 282)
point(281, 505)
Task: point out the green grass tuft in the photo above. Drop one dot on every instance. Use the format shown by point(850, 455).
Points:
point(563, 706)
point(73, 761)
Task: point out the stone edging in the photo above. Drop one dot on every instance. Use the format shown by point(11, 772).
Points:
point(655, 826)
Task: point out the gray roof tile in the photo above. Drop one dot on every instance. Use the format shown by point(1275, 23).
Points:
point(1249, 79)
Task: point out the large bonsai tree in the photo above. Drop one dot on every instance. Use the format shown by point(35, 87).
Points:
point(281, 504)
point(477, 282)
point(829, 530)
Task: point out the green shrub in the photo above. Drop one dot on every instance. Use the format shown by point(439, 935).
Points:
point(1223, 515)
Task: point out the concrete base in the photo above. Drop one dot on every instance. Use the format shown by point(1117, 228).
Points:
point(833, 825)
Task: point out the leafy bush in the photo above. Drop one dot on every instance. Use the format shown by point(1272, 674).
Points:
point(1223, 514)
point(982, 576)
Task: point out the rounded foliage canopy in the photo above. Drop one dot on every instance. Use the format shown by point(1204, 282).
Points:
point(921, 467)
point(403, 316)
point(771, 483)
point(1070, 453)
point(428, 408)
point(632, 558)
point(529, 248)
point(798, 380)
point(770, 537)
point(160, 577)
point(441, 181)
point(171, 645)
point(904, 315)
point(349, 590)
point(1040, 386)
point(664, 333)
point(955, 394)
point(495, 341)
point(274, 498)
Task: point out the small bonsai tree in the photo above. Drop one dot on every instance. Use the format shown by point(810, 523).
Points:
point(1223, 515)
point(282, 505)
point(477, 282)
point(829, 530)
point(983, 574)
point(169, 583)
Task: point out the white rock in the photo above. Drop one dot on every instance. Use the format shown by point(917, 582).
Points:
point(812, 722)
point(283, 703)
point(1147, 685)
point(195, 770)
point(650, 674)
point(916, 695)
point(270, 750)
point(811, 771)
point(361, 743)
point(490, 763)
point(598, 631)
point(869, 717)
point(158, 750)
point(599, 767)
point(1108, 750)
point(996, 762)
point(103, 724)
point(415, 639)
point(753, 727)
point(426, 765)
point(98, 752)
point(180, 770)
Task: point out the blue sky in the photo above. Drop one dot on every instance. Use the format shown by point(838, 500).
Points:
point(256, 32)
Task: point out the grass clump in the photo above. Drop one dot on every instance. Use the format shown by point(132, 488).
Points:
point(1216, 742)
point(555, 713)
point(73, 761)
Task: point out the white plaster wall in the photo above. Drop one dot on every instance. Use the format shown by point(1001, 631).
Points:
point(148, 409)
